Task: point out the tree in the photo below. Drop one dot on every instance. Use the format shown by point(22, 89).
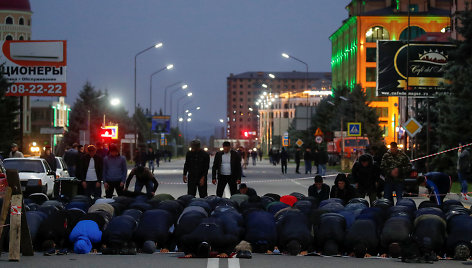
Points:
point(354, 108)
point(9, 110)
point(456, 109)
point(94, 104)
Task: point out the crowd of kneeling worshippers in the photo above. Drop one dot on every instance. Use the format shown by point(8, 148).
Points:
point(247, 223)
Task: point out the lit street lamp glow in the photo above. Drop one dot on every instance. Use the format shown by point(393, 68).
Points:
point(272, 76)
point(115, 101)
point(189, 119)
point(264, 85)
point(189, 94)
point(181, 119)
point(198, 108)
point(170, 67)
point(185, 86)
point(285, 55)
point(189, 114)
point(222, 121)
point(158, 45)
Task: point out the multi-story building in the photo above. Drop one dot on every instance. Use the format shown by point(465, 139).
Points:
point(354, 45)
point(276, 117)
point(243, 91)
point(15, 24)
point(48, 115)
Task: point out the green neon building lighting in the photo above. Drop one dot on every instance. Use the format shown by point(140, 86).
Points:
point(55, 115)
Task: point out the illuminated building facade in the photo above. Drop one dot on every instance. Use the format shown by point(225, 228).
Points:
point(354, 46)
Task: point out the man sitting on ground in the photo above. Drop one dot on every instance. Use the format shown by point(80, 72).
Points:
point(319, 190)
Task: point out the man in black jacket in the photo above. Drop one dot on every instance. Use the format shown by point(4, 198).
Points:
point(226, 170)
point(197, 163)
point(50, 158)
point(319, 190)
point(90, 173)
point(298, 154)
point(366, 176)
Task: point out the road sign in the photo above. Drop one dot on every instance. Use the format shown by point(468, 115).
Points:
point(285, 140)
point(354, 129)
point(318, 139)
point(318, 132)
point(412, 127)
point(299, 143)
point(51, 130)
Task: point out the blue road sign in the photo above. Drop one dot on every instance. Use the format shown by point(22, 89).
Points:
point(354, 129)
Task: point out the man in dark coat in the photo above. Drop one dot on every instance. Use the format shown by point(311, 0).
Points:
point(308, 158)
point(293, 230)
point(197, 163)
point(261, 231)
point(429, 233)
point(319, 190)
point(154, 226)
point(50, 158)
point(71, 157)
point(366, 176)
point(90, 173)
point(362, 239)
point(226, 170)
point(330, 233)
point(459, 239)
point(395, 233)
point(342, 189)
point(438, 185)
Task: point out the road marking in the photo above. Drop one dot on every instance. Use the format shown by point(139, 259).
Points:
point(227, 193)
point(302, 185)
point(233, 263)
point(213, 263)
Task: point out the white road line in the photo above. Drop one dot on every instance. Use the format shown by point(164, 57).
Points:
point(227, 193)
point(302, 185)
point(233, 263)
point(213, 263)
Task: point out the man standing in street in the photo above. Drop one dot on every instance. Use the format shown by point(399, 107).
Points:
point(90, 173)
point(463, 170)
point(226, 170)
point(150, 156)
point(395, 167)
point(114, 172)
point(197, 163)
point(284, 160)
point(307, 157)
point(323, 159)
point(50, 158)
point(14, 151)
point(297, 159)
point(71, 157)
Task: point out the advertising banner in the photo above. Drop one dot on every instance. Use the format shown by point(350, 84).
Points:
point(35, 68)
point(161, 124)
point(425, 68)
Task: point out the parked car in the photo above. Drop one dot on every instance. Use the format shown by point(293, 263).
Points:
point(61, 170)
point(35, 174)
point(3, 179)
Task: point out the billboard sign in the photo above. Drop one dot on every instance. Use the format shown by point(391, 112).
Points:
point(109, 132)
point(425, 68)
point(161, 124)
point(34, 68)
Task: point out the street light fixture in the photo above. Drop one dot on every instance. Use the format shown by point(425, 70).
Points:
point(115, 101)
point(168, 67)
point(285, 55)
point(222, 121)
point(157, 45)
point(183, 87)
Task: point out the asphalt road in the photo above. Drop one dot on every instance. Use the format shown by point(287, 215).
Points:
point(172, 260)
point(264, 178)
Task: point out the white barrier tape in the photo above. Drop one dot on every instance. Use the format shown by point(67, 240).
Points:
point(442, 152)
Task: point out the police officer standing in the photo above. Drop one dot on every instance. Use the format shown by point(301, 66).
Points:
point(196, 167)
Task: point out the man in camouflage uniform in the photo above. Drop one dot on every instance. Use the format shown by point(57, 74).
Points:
point(395, 167)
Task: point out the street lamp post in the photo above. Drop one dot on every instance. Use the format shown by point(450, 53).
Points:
point(168, 67)
point(165, 95)
point(158, 45)
point(180, 99)
point(183, 87)
point(287, 56)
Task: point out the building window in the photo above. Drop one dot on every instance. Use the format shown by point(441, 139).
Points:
point(234, 99)
point(376, 33)
point(234, 105)
point(21, 38)
point(370, 93)
point(9, 20)
point(241, 92)
point(234, 85)
point(370, 54)
point(382, 111)
point(241, 99)
point(415, 32)
point(9, 37)
point(29, 22)
point(249, 99)
point(248, 86)
point(240, 86)
point(249, 92)
point(21, 21)
point(234, 92)
point(370, 74)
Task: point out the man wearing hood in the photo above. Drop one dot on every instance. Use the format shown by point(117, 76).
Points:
point(395, 166)
point(342, 189)
point(458, 243)
point(366, 176)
